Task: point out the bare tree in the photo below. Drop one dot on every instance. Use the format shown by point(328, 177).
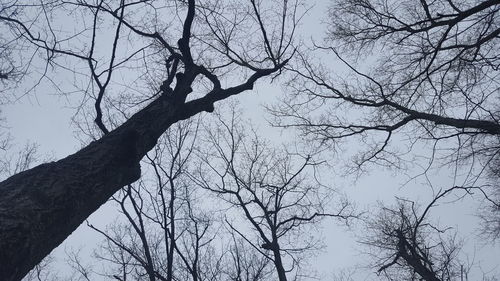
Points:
point(420, 90)
point(421, 72)
point(193, 55)
point(275, 191)
point(406, 245)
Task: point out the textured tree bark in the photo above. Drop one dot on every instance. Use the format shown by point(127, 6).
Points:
point(40, 207)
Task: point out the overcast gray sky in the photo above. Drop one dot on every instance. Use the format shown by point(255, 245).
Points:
point(45, 117)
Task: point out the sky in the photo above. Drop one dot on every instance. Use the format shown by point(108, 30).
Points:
point(45, 117)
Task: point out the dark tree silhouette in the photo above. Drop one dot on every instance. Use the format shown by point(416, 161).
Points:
point(40, 207)
point(275, 190)
point(406, 245)
point(429, 74)
point(421, 89)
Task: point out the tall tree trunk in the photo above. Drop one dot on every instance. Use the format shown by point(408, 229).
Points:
point(42, 206)
point(278, 263)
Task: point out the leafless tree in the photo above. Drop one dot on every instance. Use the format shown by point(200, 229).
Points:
point(422, 72)
point(194, 53)
point(275, 191)
point(406, 245)
point(420, 89)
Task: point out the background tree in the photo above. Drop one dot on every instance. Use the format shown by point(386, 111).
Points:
point(163, 236)
point(406, 245)
point(276, 191)
point(431, 76)
point(420, 93)
point(194, 56)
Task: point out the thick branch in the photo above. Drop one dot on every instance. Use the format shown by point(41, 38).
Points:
point(486, 126)
point(42, 206)
point(408, 253)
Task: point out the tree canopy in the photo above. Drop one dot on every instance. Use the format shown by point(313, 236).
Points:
point(410, 86)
